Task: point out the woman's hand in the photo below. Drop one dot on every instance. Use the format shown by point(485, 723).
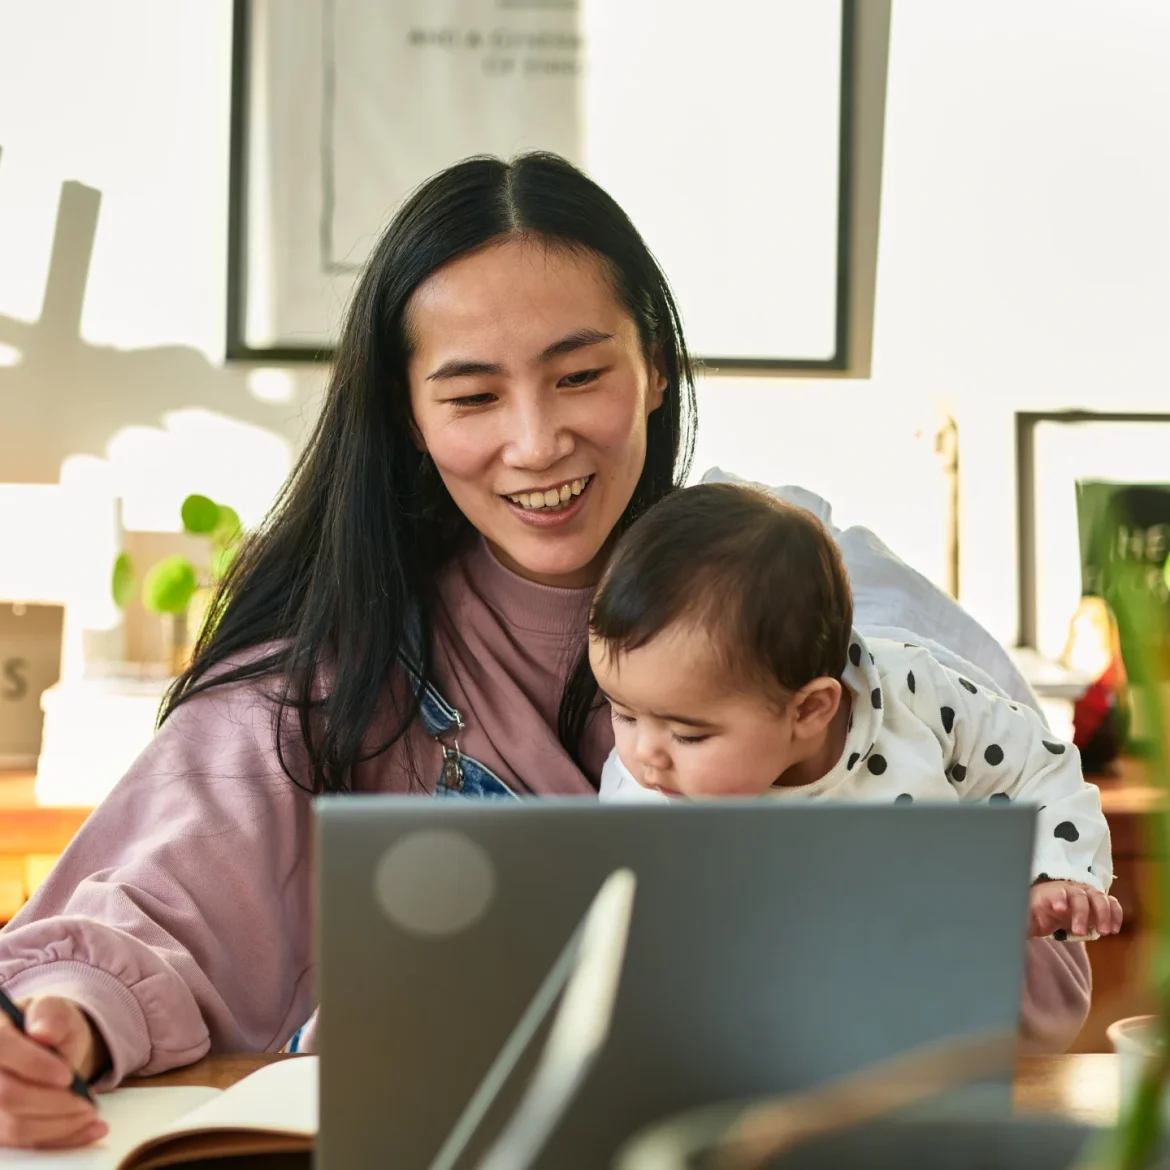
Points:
point(1076, 909)
point(38, 1110)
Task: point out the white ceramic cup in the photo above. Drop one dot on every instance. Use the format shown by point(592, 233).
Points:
point(1136, 1043)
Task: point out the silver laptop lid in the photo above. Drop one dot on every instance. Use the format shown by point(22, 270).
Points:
point(771, 948)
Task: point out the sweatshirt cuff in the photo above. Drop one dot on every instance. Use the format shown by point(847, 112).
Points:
point(108, 1003)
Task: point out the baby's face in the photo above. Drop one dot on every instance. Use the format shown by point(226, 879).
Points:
point(679, 728)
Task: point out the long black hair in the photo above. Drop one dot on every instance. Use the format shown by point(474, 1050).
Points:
point(341, 572)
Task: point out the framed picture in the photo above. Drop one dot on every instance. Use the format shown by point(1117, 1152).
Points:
point(1093, 492)
point(725, 131)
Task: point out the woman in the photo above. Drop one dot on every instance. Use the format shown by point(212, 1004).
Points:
point(511, 389)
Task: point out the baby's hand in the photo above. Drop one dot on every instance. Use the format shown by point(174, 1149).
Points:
point(1070, 907)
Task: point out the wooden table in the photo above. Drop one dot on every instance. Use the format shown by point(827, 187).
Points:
point(214, 1072)
point(1082, 1088)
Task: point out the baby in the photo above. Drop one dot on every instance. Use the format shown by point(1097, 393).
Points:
point(722, 636)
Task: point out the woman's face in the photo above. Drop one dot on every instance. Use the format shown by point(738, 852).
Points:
point(531, 392)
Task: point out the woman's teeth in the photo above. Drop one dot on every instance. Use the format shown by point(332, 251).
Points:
point(552, 499)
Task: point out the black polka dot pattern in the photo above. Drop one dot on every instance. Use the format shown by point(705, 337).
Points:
point(948, 718)
point(999, 798)
point(854, 654)
point(1066, 831)
point(1042, 878)
point(970, 686)
point(876, 698)
point(852, 760)
point(904, 798)
point(958, 773)
point(1057, 749)
point(876, 764)
point(993, 755)
point(910, 681)
point(1060, 935)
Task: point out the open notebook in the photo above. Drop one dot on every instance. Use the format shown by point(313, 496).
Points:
point(271, 1111)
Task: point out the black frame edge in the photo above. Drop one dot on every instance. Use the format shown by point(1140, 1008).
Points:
point(1026, 499)
point(237, 349)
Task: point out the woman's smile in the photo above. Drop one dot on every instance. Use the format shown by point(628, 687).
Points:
point(558, 504)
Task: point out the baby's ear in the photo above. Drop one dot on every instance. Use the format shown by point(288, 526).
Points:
point(816, 704)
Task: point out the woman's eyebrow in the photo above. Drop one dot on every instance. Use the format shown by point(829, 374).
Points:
point(463, 368)
point(470, 368)
point(574, 341)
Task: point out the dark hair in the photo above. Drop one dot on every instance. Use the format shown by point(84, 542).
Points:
point(762, 578)
point(340, 575)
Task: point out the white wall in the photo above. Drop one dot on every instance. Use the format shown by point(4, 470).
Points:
point(1024, 264)
point(132, 100)
point(1024, 259)
point(111, 374)
point(871, 455)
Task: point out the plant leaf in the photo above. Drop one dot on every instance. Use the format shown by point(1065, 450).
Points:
point(170, 585)
point(123, 580)
point(200, 515)
point(227, 527)
point(221, 561)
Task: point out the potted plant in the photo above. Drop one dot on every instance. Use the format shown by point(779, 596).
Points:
point(173, 587)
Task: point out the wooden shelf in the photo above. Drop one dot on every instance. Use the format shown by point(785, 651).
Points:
point(32, 837)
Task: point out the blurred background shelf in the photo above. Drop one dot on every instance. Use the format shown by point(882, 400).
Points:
point(32, 837)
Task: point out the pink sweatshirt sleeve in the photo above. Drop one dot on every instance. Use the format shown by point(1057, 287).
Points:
point(179, 916)
point(1058, 986)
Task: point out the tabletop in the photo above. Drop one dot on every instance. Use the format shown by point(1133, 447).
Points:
point(1083, 1088)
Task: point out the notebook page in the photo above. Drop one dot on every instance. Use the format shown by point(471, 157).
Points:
point(281, 1098)
point(133, 1115)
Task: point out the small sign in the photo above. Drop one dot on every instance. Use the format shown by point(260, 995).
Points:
point(1126, 526)
point(1125, 558)
point(30, 661)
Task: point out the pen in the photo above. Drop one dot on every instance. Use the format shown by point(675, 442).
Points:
point(17, 1017)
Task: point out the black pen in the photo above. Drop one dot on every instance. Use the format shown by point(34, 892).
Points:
point(17, 1017)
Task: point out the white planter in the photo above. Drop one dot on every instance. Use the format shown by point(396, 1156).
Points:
point(1135, 1041)
point(94, 730)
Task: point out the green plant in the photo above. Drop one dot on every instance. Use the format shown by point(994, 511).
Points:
point(1145, 628)
point(170, 583)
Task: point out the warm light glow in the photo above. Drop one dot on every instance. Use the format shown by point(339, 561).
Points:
point(234, 463)
point(272, 385)
point(1091, 641)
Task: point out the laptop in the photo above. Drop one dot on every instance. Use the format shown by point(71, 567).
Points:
point(735, 949)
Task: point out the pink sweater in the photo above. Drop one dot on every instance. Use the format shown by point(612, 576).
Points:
point(179, 918)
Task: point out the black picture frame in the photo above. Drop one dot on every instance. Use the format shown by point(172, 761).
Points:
point(853, 323)
point(1026, 423)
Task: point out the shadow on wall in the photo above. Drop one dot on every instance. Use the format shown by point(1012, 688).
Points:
point(63, 397)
